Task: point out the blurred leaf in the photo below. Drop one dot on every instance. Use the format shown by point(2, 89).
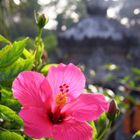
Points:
point(132, 84)
point(11, 53)
point(7, 113)
point(136, 71)
point(46, 68)
point(13, 70)
point(7, 135)
point(102, 122)
point(136, 134)
point(3, 39)
point(120, 101)
point(125, 79)
point(111, 67)
point(110, 78)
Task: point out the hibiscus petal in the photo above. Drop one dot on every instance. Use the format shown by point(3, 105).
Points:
point(26, 88)
point(45, 90)
point(73, 130)
point(66, 74)
point(36, 123)
point(87, 107)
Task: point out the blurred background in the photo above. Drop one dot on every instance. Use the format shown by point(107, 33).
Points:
point(101, 36)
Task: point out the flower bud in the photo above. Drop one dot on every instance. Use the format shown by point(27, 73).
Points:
point(41, 20)
point(113, 110)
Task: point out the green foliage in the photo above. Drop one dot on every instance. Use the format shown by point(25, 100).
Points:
point(8, 114)
point(7, 100)
point(132, 80)
point(9, 73)
point(11, 53)
point(15, 58)
point(7, 135)
point(101, 122)
point(136, 71)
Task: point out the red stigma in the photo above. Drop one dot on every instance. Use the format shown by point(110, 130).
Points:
point(64, 88)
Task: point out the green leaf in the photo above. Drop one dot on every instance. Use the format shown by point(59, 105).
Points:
point(7, 99)
point(27, 54)
point(9, 73)
point(136, 134)
point(3, 39)
point(12, 103)
point(132, 84)
point(46, 68)
point(94, 130)
point(6, 92)
point(8, 114)
point(136, 71)
point(7, 135)
point(11, 53)
point(125, 79)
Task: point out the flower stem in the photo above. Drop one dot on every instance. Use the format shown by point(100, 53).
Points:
point(105, 130)
point(40, 33)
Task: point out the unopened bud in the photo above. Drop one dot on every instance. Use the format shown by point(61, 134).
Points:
point(41, 20)
point(113, 110)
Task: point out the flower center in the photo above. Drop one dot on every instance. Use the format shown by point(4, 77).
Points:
point(56, 117)
point(61, 97)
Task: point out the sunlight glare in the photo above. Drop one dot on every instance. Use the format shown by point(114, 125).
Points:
point(50, 12)
point(136, 11)
point(75, 16)
point(17, 2)
point(63, 28)
point(111, 13)
point(124, 21)
point(44, 2)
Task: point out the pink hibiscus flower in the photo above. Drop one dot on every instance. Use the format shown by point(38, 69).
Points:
point(55, 106)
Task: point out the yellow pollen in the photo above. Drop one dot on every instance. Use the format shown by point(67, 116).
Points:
point(61, 99)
